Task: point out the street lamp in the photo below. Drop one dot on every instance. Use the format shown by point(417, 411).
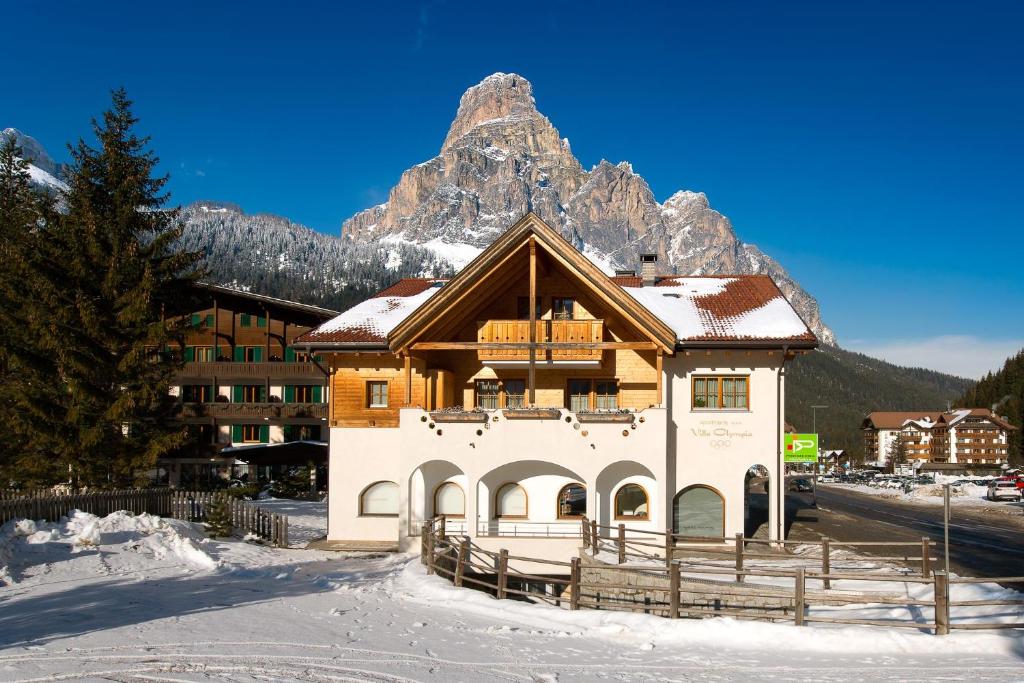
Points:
point(817, 465)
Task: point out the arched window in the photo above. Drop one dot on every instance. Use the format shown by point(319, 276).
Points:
point(449, 500)
point(379, 500)
point(631, 502)
point(510, 501)
point(699, 512)
point(572, 501)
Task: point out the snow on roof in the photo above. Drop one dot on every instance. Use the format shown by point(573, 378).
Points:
point(371, 321)
point(722, 308)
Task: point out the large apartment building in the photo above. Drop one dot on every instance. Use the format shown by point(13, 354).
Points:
point(956, 440)
point(245, 387)
point(532, 389)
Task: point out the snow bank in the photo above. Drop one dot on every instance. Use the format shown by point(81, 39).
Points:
point(25, 542)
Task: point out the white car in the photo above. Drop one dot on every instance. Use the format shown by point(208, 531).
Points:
point(1003, 490)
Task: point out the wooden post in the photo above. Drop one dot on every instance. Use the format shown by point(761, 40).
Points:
point(799, 603)
point(423, 544)
point(408, 380)
point(926, 560)
point(826, 562)
point(502, 573)
point(574, 584)
point(594, 539)
point(430, 551)
point(584, 532)
point(531, 375)
point(941, 583)
point(460, 563)
point(622, 544)
point(673, 588)
point(658, 367)
point(739, 558)
point(442, 527)
point(669, 547)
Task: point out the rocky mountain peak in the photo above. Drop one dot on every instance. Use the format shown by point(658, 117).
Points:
point(499, 98)
point(34, 152)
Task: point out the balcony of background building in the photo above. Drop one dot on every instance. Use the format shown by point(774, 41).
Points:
point(558, 331)
point(226, 371)
point(254, 410)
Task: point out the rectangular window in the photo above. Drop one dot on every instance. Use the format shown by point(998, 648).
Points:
point(515, 393)
point(523, 308)
point(253, 354)
point(606, 394)
point(250, 433)
point(562, 308)
point(721, 393)
point(197, 393)
point(245, 320)
point(209, 320)
point(205, 354)
point(579, 395)
point(303, 393)
point(487, 394)
point(254, 393)
point(377, 394)
point(261, 321)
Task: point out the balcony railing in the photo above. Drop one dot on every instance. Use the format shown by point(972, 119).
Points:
point(255, 410)
point(559, 331)
point(227, 370)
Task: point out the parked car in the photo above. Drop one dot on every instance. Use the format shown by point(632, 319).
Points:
point(827, 480)
point(1003, 490)
point(802, 485)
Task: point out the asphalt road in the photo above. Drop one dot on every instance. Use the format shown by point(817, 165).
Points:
point(981, 544)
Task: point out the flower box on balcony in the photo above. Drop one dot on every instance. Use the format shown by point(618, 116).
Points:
point(605, 417)
point(459, 416)
point(532, 414)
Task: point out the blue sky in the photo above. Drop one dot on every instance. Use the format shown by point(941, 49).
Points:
point(874, 150)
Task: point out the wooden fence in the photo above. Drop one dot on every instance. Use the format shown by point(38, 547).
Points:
point(683, 590)
point(191, 506)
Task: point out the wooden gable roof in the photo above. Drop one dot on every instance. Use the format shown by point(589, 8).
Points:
point(474, 277)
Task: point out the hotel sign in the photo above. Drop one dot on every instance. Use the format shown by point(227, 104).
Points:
point(801, 448)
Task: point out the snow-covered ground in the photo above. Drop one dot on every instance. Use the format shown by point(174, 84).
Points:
point(929, 494)
point(144, 599)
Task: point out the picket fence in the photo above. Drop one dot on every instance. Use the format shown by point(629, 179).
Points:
point(191, 506)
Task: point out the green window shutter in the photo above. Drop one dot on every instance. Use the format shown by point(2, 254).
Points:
point(190, 354)
point(196, 318)
point(261, 321)
point(318, 394)
point(263, 394)
point(264, 433)
point(209, 320)
point(236, 433)
point(289, 354)
point(258, 354)
point(246, 320)
point(239, 354)
point(289, 393)
point(237, 393)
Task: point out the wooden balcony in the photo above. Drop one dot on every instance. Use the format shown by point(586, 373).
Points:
point(224, 371)
point(557, 331)
point(254, 410)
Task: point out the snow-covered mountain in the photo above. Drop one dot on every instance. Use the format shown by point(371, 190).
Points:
point(502, 157)
point(44, 170)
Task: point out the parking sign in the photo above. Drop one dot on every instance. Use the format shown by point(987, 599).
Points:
point(801, 448)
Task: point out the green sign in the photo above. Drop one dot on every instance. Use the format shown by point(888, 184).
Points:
point(801, 448)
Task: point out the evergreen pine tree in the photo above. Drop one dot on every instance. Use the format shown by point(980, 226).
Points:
point(218, 517)
point(119, 272)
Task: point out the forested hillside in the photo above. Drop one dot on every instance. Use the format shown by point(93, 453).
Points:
point(1003, 392)
point(852, 385)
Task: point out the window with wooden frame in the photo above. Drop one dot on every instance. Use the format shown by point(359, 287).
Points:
point(254, 393)
point(631, 502)
point(253, 354)
point(572, 501)
point(724, 392)
point(488, 393)
point(592, 394)
point(379, 500)
point(377, 394)
point(245, 320)
point(303, 393)
point(250, 433)
point(197, 393)
point(205, 354)
point(449, 500)
point(562, 308)
point(514, 393)
point(511, 502)
point(523, 308)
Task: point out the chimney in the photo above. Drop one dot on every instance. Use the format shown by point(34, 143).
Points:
point(625, 273)
point(648, 267)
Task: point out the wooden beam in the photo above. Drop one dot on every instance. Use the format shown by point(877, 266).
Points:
point(658, 365)
point(540, 346)
point(408, 380)
point(531, 305)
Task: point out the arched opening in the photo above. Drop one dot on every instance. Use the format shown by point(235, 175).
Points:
point(572, 501)
point(756, 484)
point(511, 502)
point(699, 512)
point(632, 503)
point(379, 499)
point(450, 500)
point(425, 484)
